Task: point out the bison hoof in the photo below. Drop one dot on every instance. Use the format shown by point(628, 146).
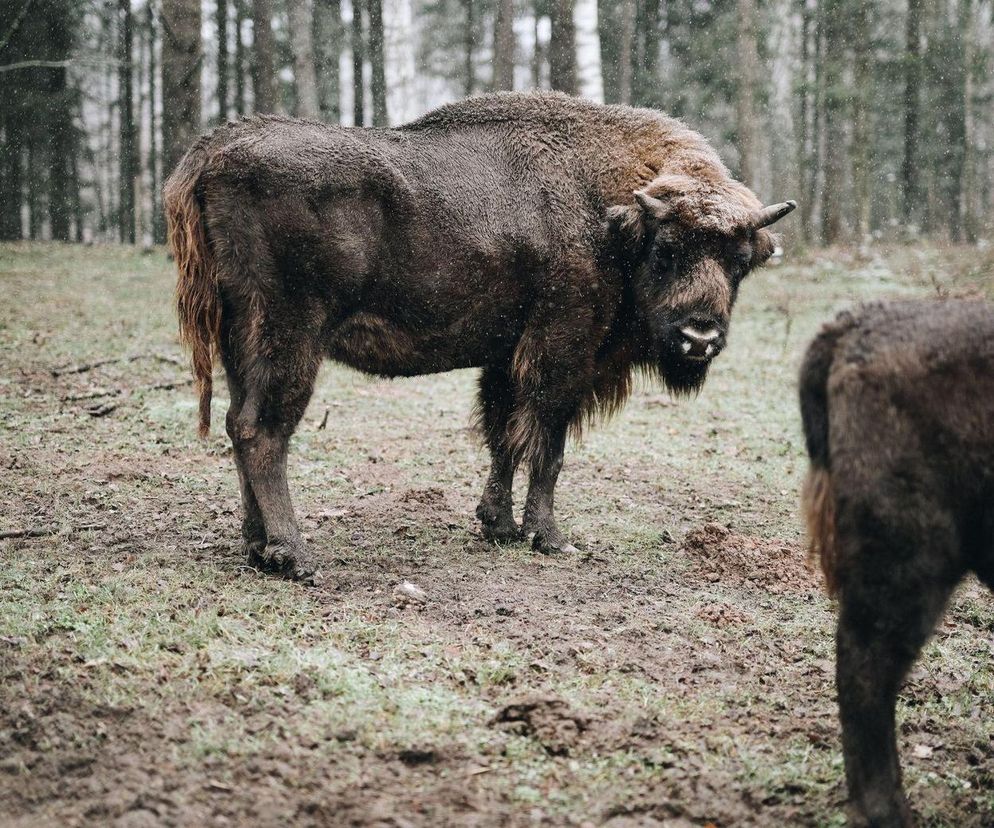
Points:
point(282, 559)
point(553, 543)
point(502, 532)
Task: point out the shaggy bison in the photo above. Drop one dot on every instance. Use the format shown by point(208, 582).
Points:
point(898, 408)
point(554, 243)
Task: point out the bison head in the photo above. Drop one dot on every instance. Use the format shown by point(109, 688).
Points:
point(688, 244)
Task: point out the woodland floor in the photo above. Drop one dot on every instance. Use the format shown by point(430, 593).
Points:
point(677, 671)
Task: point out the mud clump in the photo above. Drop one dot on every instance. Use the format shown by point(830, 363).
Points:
point(548, 720)
point(719, 555)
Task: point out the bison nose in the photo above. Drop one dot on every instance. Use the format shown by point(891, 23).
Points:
point(701, 341)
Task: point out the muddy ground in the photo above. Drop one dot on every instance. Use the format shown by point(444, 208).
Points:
point(677, 671)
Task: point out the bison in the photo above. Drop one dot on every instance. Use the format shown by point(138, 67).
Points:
point(554, 243)
point(897, 402)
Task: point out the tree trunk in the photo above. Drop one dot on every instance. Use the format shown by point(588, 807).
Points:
point(379, 78)
point(538, 57)
point(955, 103)
point(562, 48)
point(11, 158)
point(358, 60)
point(910, 186)
point(158, 228)
point(181, 67)
point(805, 154)
point(469, 45)
point(126, 109)
point(329, 37)
point(861, 141)
point(504, 46)
point(626, 48)
point(834, 120)
point(305, 82)
point(222, 60)
point(745, 99)
point(645, 76)
point(610, 39)
point(239, 57)
point(263, 74)
point(34, 170)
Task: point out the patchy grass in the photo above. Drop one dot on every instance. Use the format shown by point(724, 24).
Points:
point(148, 677)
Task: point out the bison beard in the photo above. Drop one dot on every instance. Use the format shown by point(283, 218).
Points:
point(896, 401)
point(555, 244)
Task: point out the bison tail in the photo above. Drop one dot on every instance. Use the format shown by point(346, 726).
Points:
point(198, 301)
point(818, 496)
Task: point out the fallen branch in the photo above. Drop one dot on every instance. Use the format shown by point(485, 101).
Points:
point(92, 395)
point(44, 531)
point(83, 367)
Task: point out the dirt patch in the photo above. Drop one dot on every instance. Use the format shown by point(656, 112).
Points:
point(719, 555)
point(549, 720)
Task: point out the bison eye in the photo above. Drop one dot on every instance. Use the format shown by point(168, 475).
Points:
point(663, 260)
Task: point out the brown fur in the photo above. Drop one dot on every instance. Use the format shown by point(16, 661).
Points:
point(818, 503)
point(501, 232)
point(198, 303)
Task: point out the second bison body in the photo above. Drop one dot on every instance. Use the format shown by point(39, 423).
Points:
point(898, 408)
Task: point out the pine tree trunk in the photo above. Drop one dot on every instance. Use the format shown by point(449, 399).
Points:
point(504, 46)
point(834, 124)
point(358, 61)
point(240, 57)
point(609, 36)
point(158, 228)
point(745, 99)
point(329, 39)
point(126, 108)
point(263, 73)
point(626, 48)
point(469, 46)
point(645, 78)
point(35, 177)
point(181, 66)
point(562, 48)
point(861, 142)
point(304, 77)
point(11, 158)
point(376, 60)
point(222, 60)
point(910, 180)
point(805, 160)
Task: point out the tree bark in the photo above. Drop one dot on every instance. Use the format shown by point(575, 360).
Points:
point(222, 59)
point(126, 109)
point(304, 78)
point(910, 181)
point(358, 60)
point(11, 158)
point(469, 46)
point(263, 74)
point(834, 120)
point(626, 47)
point(239, 68)
point(376, 61)
point(158, 227)
point(562, 48)
point(745, 99)
point(504, 46)
point(645, 76)
point(861, 142)
point(181, 69)
point(329, 37)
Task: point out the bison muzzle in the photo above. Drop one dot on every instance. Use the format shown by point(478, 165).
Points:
point(553, 243)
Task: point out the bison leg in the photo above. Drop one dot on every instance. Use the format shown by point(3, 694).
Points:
point(253, 527)
point(893, 592)
point(261, 433)
point(496, 509)
point(539, 516)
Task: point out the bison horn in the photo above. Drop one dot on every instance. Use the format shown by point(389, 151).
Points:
point(771, 214)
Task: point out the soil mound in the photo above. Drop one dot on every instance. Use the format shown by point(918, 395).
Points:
point(722, 556)
point(549, 720)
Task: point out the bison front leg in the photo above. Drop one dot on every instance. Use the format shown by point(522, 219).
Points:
point(540, 521)
point(496, 509)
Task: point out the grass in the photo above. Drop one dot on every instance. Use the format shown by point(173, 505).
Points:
point(144, 668)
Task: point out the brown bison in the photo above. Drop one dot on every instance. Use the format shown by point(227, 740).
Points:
point(553, 243)
point(898, 408)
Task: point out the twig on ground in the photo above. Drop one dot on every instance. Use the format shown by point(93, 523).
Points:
point(83, 367)
point(43, 531)
point(92, 395)
point(101, 410)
